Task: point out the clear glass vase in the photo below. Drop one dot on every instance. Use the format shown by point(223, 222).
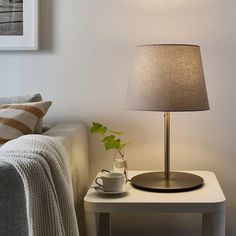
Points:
point(120, 162)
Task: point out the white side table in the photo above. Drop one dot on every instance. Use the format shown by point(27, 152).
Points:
point(208, 200)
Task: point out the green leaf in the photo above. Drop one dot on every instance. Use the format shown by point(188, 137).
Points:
point(110, 142)
point(108, 146)
point(117, 143)
point(98, 129)
point(109, 138)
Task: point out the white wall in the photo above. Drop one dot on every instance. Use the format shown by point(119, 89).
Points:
point(83, 67)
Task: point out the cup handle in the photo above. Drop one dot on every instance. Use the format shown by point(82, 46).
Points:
point(96, 181)
point(105, 171)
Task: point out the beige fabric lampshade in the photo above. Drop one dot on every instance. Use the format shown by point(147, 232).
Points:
point(167, 77)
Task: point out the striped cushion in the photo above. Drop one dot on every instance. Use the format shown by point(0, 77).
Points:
point(20, 119)
point(23, 99)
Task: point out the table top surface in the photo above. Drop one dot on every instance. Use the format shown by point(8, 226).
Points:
point(210, 192)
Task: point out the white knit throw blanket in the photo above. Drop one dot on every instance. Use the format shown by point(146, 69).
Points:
point(42, 164)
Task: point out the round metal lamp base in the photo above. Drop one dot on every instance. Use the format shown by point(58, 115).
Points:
point(178, 182)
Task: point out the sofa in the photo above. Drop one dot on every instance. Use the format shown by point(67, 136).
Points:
point(13, 220)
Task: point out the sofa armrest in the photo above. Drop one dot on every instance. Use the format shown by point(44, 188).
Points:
point(73, 135)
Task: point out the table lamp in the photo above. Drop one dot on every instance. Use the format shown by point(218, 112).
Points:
point(167, 78)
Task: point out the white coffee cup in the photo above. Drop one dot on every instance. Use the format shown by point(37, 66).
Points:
point(111, 182)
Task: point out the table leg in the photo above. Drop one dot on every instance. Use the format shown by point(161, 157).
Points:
point(97, 224)
point(105, 224)
point(213, 224)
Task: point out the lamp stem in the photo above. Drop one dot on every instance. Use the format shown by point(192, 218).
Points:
point(167, 144)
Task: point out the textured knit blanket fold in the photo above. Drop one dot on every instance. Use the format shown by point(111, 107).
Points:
point(42, 164)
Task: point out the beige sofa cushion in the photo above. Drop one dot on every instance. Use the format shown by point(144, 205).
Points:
point(20, 119)
point(21, 99)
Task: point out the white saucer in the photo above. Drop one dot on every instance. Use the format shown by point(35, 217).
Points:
point(125, 189)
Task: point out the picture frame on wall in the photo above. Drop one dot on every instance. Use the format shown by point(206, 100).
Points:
point(19, 24)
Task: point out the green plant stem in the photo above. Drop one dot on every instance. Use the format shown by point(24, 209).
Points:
point(120, 152)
